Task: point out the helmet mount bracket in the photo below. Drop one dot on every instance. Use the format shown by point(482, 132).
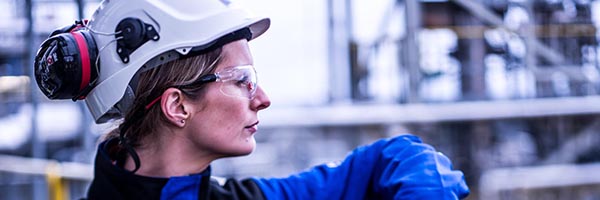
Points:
point(131, 34)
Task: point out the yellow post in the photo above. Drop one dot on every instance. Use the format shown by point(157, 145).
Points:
point(56, 187)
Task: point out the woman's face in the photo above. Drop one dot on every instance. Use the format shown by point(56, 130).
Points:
point(224, 125)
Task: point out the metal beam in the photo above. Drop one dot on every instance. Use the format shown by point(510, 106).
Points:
point(38, 147)
point(484, 13)
point(339, 59)
point(569, 150)
point(80, 6)
point(378, 114)
point(494, 181)
point(40, 167)
point(410, 48)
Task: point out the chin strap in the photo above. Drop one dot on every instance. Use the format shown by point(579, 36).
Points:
point(124, 143)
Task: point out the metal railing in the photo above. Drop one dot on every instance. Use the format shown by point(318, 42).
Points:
point(57, 174)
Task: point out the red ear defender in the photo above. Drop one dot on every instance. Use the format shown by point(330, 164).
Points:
point(65, 65)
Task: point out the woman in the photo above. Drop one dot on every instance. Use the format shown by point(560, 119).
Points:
point(189, 101)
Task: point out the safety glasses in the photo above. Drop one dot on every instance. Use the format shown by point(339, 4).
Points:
point(239, 81)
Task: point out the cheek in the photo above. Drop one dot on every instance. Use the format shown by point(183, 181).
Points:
point(223, 112)
point(220, 126)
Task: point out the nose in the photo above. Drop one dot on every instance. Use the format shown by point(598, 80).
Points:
point(261, 100)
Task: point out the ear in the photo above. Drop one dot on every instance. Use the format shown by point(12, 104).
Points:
point(173, 106)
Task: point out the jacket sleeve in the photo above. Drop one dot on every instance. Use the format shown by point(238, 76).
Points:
point(395, 168)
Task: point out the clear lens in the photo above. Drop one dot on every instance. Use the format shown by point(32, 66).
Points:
point(239, 81)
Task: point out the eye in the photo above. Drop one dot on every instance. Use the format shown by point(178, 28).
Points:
point(243, 80)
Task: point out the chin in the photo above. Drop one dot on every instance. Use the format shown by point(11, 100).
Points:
point(238, 153)
point(248, 150)
point(244, 149)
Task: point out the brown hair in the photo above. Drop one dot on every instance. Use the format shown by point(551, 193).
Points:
point(139, 122)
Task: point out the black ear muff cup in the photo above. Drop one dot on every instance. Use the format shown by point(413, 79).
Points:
point(65, 65)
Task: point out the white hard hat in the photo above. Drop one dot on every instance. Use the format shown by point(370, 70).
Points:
point(173, 28)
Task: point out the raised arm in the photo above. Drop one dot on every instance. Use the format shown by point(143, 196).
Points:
point(395, 168)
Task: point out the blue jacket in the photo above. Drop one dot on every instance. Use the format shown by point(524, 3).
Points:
point(396, 168)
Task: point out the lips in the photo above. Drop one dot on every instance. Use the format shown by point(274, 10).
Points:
point(252, 127)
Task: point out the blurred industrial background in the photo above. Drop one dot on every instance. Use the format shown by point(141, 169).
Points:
point(508, 89)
